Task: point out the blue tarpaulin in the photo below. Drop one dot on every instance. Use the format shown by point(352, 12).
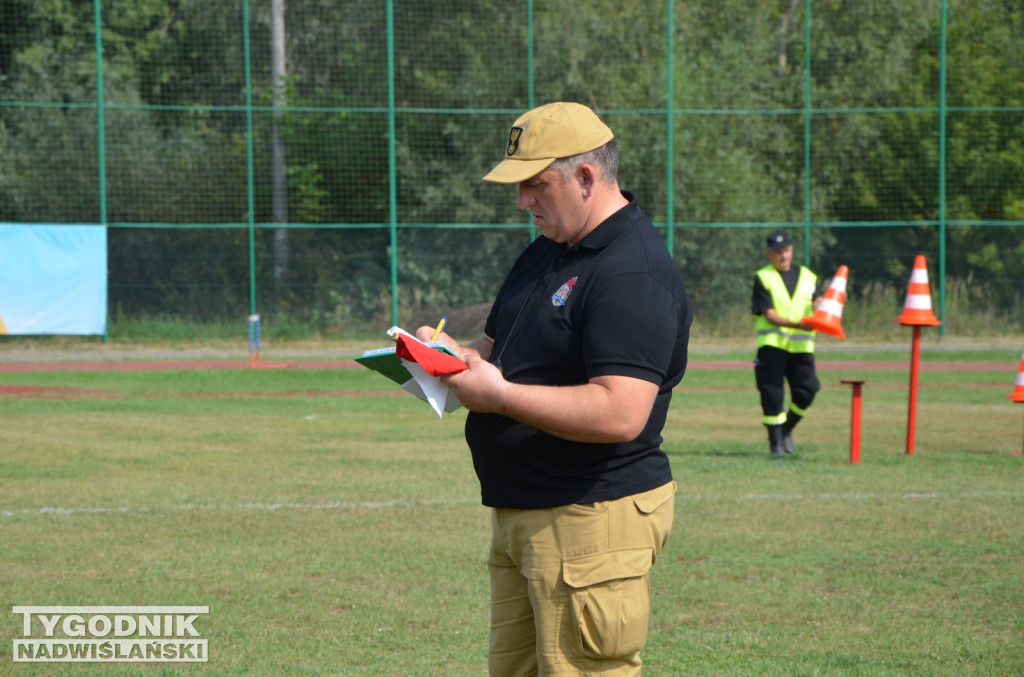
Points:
point(53, 279)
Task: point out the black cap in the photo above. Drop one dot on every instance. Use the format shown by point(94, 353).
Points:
point(779, 239)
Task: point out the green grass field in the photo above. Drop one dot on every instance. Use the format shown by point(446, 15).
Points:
point(332, 524)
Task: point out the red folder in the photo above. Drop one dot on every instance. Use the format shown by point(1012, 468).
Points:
point(433, 361)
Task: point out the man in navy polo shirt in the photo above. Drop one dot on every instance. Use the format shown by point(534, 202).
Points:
point(568, 390)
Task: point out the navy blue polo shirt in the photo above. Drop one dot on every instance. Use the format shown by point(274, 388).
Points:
point(613, 304)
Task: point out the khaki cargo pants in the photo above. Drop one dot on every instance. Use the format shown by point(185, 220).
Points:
point(570, 592)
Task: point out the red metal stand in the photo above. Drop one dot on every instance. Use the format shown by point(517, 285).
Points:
point(915, 359)
point(1018, 393)
point(854, 419)
point(1019, 453)
point(917, 313)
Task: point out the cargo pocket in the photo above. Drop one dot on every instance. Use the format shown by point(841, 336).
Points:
point(611, 601)
point(650, 501)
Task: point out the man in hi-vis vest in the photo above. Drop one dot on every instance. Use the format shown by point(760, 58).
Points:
point(783, 295)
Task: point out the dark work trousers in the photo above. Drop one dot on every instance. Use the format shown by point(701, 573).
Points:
point(774, 368)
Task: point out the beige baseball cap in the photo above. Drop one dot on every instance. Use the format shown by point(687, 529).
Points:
point(545, 134)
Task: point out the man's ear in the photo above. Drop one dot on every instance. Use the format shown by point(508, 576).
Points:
point(588, 177)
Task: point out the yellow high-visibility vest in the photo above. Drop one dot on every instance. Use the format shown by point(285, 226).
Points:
point(794, 308)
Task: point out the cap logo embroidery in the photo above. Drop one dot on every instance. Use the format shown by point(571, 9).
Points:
point(562, 295)
point(513, 140)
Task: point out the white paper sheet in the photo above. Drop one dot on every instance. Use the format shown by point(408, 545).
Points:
point(430, 389)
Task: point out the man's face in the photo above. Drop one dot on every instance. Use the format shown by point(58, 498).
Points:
point(556, 203)
point(781, 258)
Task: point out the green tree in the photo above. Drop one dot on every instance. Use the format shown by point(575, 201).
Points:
point(892, 168)
point(177, 145)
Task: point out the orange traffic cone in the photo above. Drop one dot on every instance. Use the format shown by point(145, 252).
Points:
point(1018, 394)
point(917, 309)
point(829, 312)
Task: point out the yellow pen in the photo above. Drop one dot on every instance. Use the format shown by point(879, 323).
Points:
point(440, 328)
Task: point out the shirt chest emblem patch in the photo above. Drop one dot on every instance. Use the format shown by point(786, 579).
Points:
point(562, 295)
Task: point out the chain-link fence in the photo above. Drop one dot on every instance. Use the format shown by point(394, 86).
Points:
point(319, 161)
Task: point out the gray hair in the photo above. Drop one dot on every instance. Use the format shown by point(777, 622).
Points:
point(606, 157)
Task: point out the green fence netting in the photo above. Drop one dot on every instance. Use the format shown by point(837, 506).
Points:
point(319, 162)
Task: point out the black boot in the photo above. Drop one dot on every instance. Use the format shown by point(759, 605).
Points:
point(787, 431)
point(776, 441)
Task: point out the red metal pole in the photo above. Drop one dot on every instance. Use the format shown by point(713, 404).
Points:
point(1021, 453)
point(915, 359)
point(855, 419)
